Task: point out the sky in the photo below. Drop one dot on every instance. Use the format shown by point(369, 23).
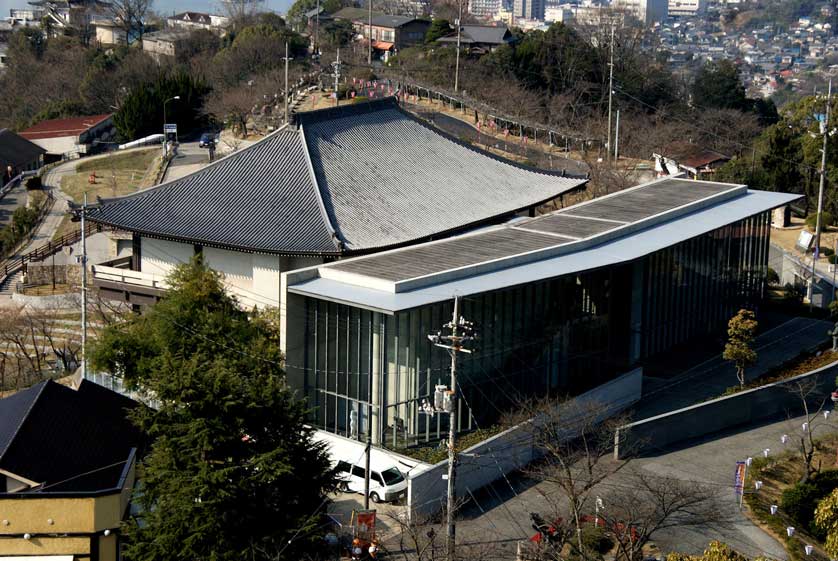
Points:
point(165, 6)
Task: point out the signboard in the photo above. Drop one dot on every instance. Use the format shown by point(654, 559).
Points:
point(170, 128)
point(804, 240)
point(365, 525)
point(739, 478)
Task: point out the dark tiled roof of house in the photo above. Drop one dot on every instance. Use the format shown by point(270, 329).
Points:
point(16, 150)
point(66, 440)
point(355, 14)
point(349, 179)
point(480, 34)
point(194, 17)
point(392, 21)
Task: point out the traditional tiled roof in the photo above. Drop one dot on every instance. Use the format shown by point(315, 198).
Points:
point(16, 150)
point(480, 34)
point(66, 439)
point(344, 180)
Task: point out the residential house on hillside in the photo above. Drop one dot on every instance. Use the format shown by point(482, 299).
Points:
point(388, 33)
point(109, 31)
point(698, 162)
point(392, 33)
point(198, 20)
point(342, 181)
point(18, 154)
point(67, 461)
point(164, 44)
point(479, 39)
point(71, 137)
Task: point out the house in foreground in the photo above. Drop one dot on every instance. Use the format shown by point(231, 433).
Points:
point(67, 460)
point(561, 303)
point(341, 182)
point(18, 154)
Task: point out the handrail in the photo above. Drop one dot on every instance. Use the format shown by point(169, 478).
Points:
point(15, 264)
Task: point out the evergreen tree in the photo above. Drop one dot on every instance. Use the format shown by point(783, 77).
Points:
point(439, 28)
point(718, 85)
point(141, 114)
point(232, 472)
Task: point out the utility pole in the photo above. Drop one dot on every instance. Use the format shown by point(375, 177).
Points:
point(459, 32)
point(83, 290)
point(610, 90)
point(317, 30)
point(369, 34)
point(461, 332)
point(286, 82)
point(617, 139)
point(820, 196)
point(336, 64)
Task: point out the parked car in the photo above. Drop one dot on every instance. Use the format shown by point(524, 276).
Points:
point(386, 481)
point(207, 139)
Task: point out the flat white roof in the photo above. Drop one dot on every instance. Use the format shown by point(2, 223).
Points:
point(363, 287)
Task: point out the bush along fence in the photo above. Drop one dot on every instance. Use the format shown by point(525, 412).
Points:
point(771, 401)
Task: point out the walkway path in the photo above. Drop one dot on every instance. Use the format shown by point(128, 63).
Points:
point(13, 199)
point(712, 377)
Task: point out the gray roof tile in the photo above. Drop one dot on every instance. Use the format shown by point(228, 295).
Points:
point(381, 178)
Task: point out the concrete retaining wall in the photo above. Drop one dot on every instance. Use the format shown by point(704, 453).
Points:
point(508, 451)
point(650, 436)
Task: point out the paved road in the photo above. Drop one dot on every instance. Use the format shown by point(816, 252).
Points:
point(13, 199)
point(501, 517)
point(190, 158)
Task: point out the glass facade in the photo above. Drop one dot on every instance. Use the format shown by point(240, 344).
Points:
point(363, 369)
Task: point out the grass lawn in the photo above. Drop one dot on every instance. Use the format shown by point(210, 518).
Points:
point(116, 175)
point(777, 473)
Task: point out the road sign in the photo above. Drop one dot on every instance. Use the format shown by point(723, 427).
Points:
point(170, 127)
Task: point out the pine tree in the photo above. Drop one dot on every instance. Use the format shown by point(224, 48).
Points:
point(231, 472)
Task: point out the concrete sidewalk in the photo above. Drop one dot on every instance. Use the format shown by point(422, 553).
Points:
point(712, 377)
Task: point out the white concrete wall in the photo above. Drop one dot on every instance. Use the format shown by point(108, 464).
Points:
point(58, 145)
point(159, 257)
point(254, 279)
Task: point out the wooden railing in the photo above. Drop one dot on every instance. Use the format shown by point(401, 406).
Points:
point(13, 265)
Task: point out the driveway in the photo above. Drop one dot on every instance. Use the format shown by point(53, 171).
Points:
point(190, 158)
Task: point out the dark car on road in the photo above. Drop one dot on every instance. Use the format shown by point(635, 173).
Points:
point(207, 140)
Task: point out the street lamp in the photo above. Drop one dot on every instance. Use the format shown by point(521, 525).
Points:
point(164, 121)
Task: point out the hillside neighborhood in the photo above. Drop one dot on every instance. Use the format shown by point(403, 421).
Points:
point(531, 280)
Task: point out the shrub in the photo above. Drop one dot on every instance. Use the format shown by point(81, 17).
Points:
point(772, 277)
point(594, 538)
point(33, 183)
point(826, 251)
point(800, 500)
point(832, 259)
point(826, 220)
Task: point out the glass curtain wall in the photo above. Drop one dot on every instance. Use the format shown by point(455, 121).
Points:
point(561, 336)
point(695, 287)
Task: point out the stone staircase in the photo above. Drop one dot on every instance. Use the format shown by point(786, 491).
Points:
point(7, 288)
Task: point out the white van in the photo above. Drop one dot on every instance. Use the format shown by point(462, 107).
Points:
point(386, 481)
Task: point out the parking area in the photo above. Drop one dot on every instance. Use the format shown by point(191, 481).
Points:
point(387, 514)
